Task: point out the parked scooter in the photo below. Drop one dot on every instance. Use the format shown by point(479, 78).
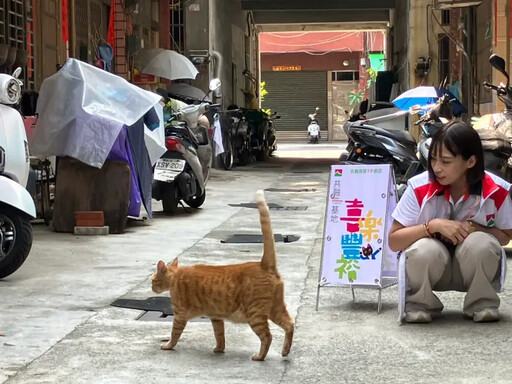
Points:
point(182, 172)
point(431, 121)
point(501, 123)
point(268, 142)
point(16, 205)
point(370, 144)
point(237, 135)
point(313, 128)
point(496, 147)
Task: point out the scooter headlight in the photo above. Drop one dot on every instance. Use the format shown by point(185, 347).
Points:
point(2, 159)
point(10, 90)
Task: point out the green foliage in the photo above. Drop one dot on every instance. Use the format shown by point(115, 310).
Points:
point(373, 74)
point(356, 96)
point(263, 93)
point(372, 77)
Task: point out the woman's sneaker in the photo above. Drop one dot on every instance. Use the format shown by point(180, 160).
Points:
point(486, 315)
point(418, 317)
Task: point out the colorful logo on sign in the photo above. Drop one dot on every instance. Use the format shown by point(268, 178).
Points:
point(338, 172)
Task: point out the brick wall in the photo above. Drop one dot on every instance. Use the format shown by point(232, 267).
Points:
point(120, 28)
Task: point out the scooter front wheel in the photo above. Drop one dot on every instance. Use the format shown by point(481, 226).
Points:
point(227, 157)
point(196, 201)
point(170, 198)
point(15, 239)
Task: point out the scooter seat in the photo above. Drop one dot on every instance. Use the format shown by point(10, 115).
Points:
point(402, 136)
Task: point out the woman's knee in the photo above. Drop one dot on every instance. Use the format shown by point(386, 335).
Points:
point(479, 245)
point(426, 251)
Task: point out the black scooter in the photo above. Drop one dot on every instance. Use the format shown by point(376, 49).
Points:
point(370, 144)
point(496, 147)
point(499, 134)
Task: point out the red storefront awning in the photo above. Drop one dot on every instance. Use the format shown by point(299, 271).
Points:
point(346, 41)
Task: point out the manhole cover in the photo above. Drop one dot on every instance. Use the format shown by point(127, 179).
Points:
point(271, 206)
point(290, 190)
point(267, 166)
point(157, 303)
point(155, 316)
point(158, 308)
point(250, 238)
point(254, 205)
point(289, 208)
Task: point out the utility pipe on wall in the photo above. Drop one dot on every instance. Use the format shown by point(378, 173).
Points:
point(217, 67)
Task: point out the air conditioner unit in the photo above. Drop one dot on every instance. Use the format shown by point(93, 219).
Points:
point(450, 4)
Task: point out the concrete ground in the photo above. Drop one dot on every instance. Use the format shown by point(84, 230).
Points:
point(60, 328)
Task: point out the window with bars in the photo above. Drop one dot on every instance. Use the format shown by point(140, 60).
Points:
point(17, 31)
point(30, 74)
point(445, 17)
point(3, 32)
point(82, 30)
point(177, 25)
point(344, 76)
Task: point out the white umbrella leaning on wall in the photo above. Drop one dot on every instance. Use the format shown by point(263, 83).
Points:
point(165, 63)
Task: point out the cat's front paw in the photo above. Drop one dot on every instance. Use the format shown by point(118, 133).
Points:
point(218, 350)
point(167, 346)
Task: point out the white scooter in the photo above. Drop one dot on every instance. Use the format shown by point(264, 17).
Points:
point(313, 128)
point(182, 172)
point(16, 205)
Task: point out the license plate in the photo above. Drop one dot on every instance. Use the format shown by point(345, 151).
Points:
point(167, 169)
point(170, 164)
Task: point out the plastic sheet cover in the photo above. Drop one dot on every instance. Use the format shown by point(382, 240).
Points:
point(82, 110)
point(155, 139)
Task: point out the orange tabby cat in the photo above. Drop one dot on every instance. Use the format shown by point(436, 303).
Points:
point(249, 293)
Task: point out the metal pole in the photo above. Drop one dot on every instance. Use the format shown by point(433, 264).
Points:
point(317, 296)
point(507, 14)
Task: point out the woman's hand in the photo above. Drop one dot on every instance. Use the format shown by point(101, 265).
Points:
point(453, 231)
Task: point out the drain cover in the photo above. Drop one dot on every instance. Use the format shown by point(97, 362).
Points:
point(254, 205)
point(250, 238)
point(158, 308)
point(156, 303)
point(289, 208)
point(155, 316)
point(290, 190)
point(267, 166)
point(271, 206)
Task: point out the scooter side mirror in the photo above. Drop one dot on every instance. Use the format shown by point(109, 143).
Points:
point(498, 63)
point(317, 109)
point(415, 109)
point(16, 73)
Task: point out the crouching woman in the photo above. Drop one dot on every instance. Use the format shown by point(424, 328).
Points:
point(451, 223)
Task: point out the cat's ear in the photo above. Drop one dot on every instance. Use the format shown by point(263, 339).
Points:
point(174, 263)
point(161, 267)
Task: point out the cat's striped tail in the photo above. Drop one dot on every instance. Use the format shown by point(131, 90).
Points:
point(268, 261)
